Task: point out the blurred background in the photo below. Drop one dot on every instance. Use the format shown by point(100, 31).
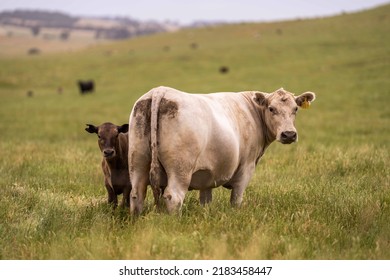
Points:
point(76, 23)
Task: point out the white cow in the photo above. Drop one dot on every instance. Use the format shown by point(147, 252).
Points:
point(187, 141)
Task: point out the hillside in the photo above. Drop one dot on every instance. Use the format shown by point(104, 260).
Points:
point(255, 53)
point(48, 32)
point(109, 28)
point(325, 197)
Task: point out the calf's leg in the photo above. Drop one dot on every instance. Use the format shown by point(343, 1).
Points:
point(126, 197)
point(112, 197)
point(205, 196)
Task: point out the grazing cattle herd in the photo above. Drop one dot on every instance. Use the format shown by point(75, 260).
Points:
point(177, 141)
point(84, 87)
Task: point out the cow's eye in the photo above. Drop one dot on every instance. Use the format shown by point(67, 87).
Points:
point(295, 110)
point(272, 110)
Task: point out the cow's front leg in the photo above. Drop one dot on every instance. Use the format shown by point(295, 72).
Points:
point(239, 184)
point(236, 195)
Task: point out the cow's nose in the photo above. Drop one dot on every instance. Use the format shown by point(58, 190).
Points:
point(108, 152)
point(288, 136)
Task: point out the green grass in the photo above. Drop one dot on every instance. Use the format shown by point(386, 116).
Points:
point(325, 197)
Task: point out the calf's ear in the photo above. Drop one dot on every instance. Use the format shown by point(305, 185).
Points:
point(123, 128)
point(91, 128)
point(260, 99)
point(305, 99)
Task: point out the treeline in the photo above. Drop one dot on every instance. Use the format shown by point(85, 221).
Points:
point(108, 28)
point(41, 18)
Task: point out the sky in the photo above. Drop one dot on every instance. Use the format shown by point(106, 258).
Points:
point(188, 11)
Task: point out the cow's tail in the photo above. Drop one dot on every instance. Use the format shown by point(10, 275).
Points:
point(155, 167)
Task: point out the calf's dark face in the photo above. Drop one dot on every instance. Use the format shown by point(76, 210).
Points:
point(108, 137)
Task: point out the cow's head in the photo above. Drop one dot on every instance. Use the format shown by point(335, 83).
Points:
point(279, 110)
point(108, 137)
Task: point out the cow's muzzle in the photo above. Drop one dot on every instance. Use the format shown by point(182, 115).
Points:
point(108, 153)
point(288, 137)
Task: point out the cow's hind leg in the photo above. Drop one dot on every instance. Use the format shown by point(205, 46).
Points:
point(138, 193)
point(175, 192)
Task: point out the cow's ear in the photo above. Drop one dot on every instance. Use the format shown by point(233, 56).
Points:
point(260, 99)
point(305, 99)
point(91, 128)
point(123, 128)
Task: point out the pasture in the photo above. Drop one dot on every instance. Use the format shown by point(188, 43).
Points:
point(325, 197)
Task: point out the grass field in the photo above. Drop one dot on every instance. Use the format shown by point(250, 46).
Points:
point(325, 197)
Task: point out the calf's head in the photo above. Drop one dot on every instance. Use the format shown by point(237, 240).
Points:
point(108, 137)
point(279, 110)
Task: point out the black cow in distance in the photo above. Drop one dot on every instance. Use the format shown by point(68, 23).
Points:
point(86, 86)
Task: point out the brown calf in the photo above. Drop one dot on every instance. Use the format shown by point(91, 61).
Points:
point(113, 143)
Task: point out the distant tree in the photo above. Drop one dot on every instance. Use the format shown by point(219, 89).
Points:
point(99, 33)
point(35, 30)
point(34, 51)
point(117, 33)
point(65, 35)
point(47, 19)
point(194, 46)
